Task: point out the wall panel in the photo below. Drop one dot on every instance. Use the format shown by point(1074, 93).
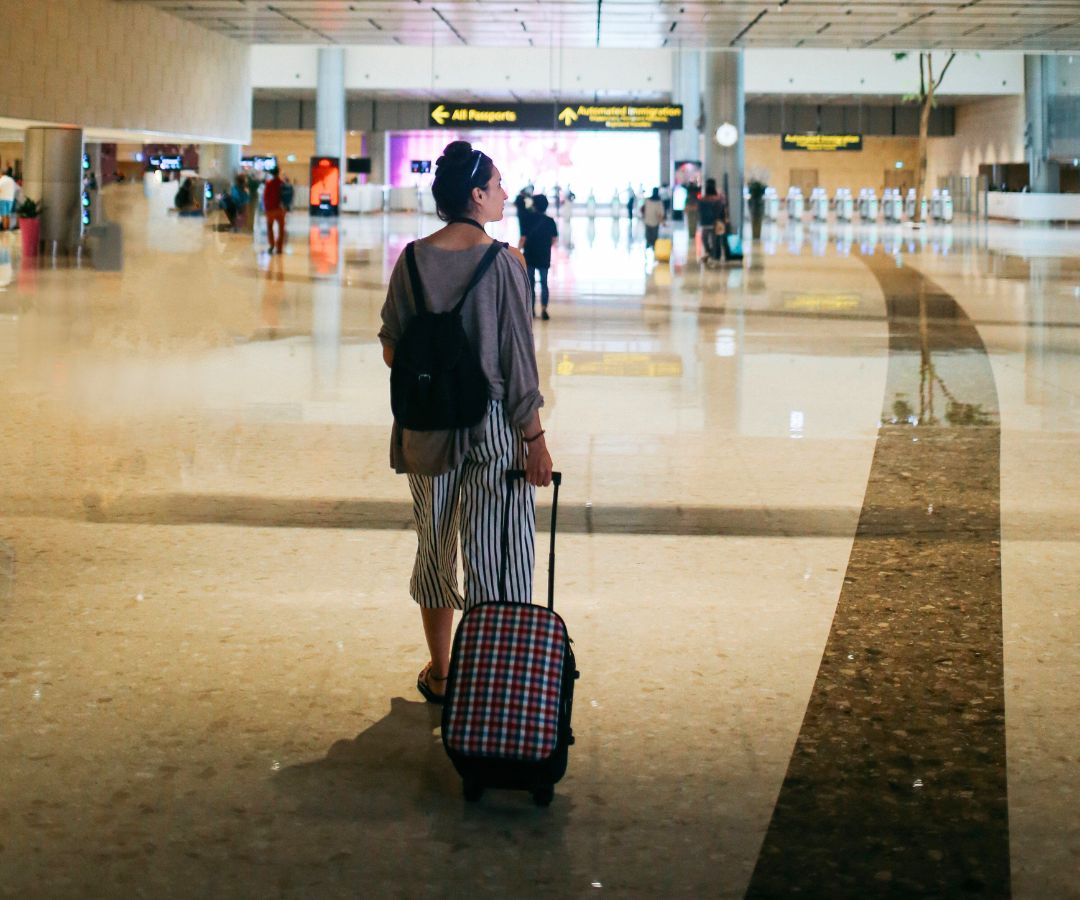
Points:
point(122, 66)
point(990, 131)
point(765, 159)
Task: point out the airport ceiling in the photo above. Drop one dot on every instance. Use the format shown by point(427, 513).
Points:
point(1037, 25)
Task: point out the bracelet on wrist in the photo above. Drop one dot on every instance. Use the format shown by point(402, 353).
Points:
point(539, 434)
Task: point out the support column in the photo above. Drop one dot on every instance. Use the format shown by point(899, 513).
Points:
point(1043, 173)
point(686, 143)
point(330, 105)
point(52, 175)
point(724, 102)
point(376, 149)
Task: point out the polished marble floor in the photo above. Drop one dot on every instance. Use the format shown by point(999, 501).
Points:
point(819, 559)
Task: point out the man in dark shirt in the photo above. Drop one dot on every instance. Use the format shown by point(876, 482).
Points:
point(275, 211)
point(537, 243)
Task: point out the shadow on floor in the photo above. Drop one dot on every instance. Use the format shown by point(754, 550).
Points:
point(393, 793)
point(397, 770)
point(396, 766)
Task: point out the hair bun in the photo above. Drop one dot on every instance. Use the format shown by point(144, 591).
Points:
point(455, 152)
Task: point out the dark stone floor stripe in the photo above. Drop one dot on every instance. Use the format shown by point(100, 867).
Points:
point(897, 784)
point(390, 515)
point(681, 521)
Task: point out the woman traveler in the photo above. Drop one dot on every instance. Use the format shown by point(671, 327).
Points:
point(457, 478)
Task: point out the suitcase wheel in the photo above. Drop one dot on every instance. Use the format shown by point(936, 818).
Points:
point(544, 795)
point(473, 790)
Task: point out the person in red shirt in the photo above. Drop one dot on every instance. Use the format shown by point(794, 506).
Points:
point(275, 211)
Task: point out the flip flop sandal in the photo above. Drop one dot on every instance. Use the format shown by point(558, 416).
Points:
point(425, 690)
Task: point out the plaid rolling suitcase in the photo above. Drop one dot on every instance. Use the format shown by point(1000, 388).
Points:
point(510, 693)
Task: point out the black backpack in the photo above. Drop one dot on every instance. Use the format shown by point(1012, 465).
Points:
point(436, 382)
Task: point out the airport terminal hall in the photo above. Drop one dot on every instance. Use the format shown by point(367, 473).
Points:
point(539, 449)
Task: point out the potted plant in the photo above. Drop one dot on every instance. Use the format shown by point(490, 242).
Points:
point(756, 189)
point(29, 213)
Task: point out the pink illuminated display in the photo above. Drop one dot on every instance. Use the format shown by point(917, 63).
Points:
point(584, 160)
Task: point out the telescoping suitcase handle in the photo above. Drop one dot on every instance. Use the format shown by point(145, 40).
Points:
point(513, 475)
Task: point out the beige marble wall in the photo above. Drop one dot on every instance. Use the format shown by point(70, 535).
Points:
point(991, 131)
point(109, 65)
point(849, 169)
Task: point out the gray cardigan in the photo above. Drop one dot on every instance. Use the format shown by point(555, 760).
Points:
point(497, 318)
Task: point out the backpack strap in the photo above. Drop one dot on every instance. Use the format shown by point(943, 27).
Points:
point(481, 270)
point(414, 278)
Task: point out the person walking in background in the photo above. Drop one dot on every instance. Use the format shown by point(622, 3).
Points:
point(523, 204)
point(720, 228)
point(693, 194)
point(542, 235)
point(567, 210)
point(652, 213)
point(287, 193)
point(186, 202)
point(234, 202)
point(7, 198)
point(275, 211)
point(708, 211)
point(631, 200)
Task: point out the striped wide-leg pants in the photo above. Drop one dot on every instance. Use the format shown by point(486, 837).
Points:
point(469, 502)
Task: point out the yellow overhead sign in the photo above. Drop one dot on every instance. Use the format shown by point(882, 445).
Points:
point(622, 117)
point(491, 115)
point(821, 142)
point(557, 116)
point(488, 116)
point(467, 115)
point(568, 117)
